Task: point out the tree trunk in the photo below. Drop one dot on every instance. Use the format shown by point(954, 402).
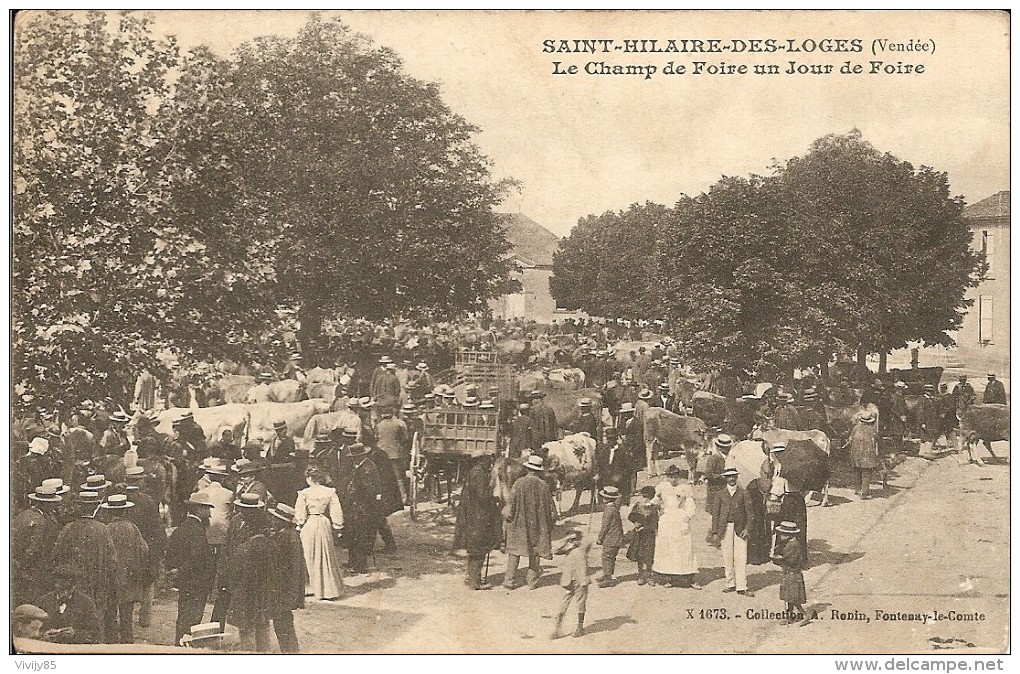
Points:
point(862, 356)
point(825, 370)
point(310, 334)
point(883, 360)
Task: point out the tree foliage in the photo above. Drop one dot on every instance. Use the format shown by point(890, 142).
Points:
point(606, 267)
point(887, 242)
point(843, 250)
point(109, 263)
point(730, 285)
point(380, 201)
point(170, 202)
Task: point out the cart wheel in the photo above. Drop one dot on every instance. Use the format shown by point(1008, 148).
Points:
point(413, 481)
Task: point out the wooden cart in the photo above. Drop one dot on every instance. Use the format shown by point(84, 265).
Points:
point(445, 440)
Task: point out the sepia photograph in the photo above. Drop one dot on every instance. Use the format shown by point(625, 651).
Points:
point(510, 332)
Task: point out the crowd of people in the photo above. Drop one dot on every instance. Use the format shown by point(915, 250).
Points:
point(108, 510)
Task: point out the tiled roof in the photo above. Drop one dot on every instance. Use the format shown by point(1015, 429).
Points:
point(995, 206)
point(532, 242)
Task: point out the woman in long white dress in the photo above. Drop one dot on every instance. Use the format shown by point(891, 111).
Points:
point(318, 512)
point(675, 562)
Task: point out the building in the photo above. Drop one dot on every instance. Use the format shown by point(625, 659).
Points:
point(983, 340)
point(533, 248)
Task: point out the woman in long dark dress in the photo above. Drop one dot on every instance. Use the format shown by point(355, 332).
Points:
point(759, 529)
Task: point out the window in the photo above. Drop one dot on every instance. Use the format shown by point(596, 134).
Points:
point(988, 248)
point(986, 315)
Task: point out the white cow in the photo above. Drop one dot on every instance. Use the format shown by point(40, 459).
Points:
point(572, 461)
point(296, 415)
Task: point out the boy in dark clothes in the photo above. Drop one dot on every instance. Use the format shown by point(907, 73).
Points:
point(645, 517)
point(611, 535)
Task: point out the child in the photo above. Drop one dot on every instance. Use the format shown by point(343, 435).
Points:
point(790, 555)
point(574, 579)
point(611, 535)
point(645, 517)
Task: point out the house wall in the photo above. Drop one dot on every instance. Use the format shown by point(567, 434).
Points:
point(535, 302)
point(985, 334)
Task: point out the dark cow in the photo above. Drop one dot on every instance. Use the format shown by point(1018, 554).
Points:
point(736, 416)
point(983, 423)
point(710, 408)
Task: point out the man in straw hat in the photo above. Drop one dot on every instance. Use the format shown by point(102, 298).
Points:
point(995, 392)
point(215, 472)
point(132, 563)
point(531, 515)
point(33, 534)
point(86, 543)
point(587, 422)
point(287, 575)
point(247, 573)
point(732, 513)
point(864, 458)
point(191, 564)
point(249, 478)
point(145, 516)
point(713, 464)
point(360, 490)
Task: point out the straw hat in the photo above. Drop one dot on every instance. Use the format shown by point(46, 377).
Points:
point(788, 528)
point(249, 500)
point(95, 483)
point(57, 485)
point(116, 502)
point(609, 491)
point(45, 494)
point(535, 463)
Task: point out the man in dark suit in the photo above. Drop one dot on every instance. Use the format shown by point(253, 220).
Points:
point(995, 392)
point(190, 561)
point(544, 427)
point(731, 516)
point(587, 421)
point(520, 431)
point(614, 466)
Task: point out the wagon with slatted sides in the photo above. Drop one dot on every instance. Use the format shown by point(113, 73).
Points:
point(444, 441)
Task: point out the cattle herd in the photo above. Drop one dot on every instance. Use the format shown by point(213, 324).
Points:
point(617, 367)
point(599, 402)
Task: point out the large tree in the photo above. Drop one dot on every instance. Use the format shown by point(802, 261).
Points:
point(606, 267)
point(887, 240)
point(844, 250)
point(112, 260)
point(377, 199)
point(729, 281)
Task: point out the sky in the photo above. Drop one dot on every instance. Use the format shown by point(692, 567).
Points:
point(587, 143)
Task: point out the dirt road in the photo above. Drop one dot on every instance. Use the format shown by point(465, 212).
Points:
point(935, 544)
